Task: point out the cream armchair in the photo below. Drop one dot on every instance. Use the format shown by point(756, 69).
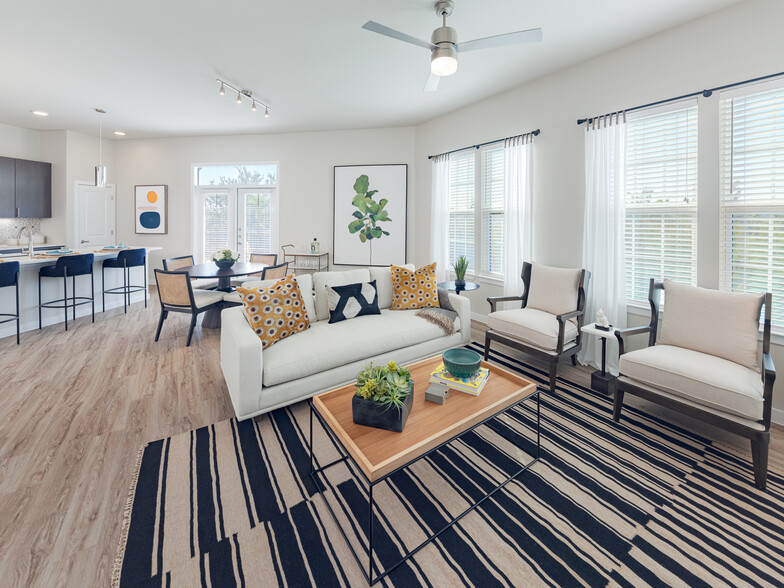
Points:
point(548, 324)
point(703, 361)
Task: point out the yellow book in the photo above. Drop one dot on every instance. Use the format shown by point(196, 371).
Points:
point(472, 385)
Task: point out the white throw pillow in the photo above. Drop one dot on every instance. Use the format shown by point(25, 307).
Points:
point(724, 324)
point(553, 289)
point(383, 278)
point(323, 279)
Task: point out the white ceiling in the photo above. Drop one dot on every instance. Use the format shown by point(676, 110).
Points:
point(152, 64)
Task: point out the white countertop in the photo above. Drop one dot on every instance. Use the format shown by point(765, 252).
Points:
point(25, 261)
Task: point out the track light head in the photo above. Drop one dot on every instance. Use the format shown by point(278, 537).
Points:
point(222, 90)
point(239, 98)
point(253, 108)
point(266, 112)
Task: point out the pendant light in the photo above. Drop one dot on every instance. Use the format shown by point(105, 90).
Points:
point(100, 169)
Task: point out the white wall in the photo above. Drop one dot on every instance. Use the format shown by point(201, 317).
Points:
point(741, 42)
point(19, 143)
point(305, 178)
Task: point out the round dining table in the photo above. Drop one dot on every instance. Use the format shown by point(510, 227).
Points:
point(212, 318)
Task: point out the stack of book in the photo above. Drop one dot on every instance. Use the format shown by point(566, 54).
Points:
point(472, 385)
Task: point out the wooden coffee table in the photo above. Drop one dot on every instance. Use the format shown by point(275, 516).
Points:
point(378, 454)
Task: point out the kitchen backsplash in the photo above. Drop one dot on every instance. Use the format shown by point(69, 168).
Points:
point(9, 227)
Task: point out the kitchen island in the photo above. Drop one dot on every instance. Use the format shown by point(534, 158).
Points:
point(53, 288)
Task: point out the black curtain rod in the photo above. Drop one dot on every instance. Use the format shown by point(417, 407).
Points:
point(705, 93)
point(534, 133)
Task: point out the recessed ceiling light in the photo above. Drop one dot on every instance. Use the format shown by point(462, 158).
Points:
point(119, 133)
point(39, 113)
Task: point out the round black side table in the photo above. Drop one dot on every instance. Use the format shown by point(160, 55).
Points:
point(467, 287)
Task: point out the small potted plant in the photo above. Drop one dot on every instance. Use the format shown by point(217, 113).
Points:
point(384, 397)
point(225, 259)
point(460, 267)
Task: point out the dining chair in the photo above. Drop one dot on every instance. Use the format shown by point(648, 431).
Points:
point(176, 294)
point(172, 264)
point(265, 258)
point(275, 272)
point(9, 276)
point(125, 260)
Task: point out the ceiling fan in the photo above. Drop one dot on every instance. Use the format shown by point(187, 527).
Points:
point(443, 43)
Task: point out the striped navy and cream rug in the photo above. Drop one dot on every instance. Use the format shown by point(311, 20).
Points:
point(643, 503)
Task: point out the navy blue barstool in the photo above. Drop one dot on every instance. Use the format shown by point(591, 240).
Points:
point(9, 276)
point(68, 266)
point(125, 260)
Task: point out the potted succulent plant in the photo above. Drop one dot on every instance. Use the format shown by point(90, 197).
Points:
point(460, 267)
point(225, 258)
point(384, 397)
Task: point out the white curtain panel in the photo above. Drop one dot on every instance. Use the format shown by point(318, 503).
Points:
point(518, 195)
point(439, 217)
point(603, 230)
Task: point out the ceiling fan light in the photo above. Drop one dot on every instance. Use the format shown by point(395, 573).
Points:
point(443, 61)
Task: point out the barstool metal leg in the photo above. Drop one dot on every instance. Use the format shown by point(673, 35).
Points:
point(145, 281)
point(65, 298)
point(39, 301)
point(92, 291)
point(126, 295)
point(103, 288)
point(17, 309)
point(73, 296)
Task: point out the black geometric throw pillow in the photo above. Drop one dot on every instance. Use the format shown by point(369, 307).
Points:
point(352, 300)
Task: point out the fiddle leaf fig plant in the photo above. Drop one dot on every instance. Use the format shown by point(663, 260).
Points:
point(369, 213)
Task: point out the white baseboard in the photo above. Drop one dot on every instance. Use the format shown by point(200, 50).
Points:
point(777, 416)
point(480, 318)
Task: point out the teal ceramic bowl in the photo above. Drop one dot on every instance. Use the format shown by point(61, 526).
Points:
point(461, 363)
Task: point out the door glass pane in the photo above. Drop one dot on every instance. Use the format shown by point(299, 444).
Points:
point(257, 228)
point(216, 224)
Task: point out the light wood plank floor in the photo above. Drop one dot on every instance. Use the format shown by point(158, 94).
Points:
point(74, 409)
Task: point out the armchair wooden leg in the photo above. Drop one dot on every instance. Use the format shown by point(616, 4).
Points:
point(553, 373)
point(574, 360)
point(617, 405)
point(487, 346)
point(160, 324)
point(759, 457)
point(190, 331)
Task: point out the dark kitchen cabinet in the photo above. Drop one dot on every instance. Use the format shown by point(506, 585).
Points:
point(33, 189)
point(7, 188)
point(25, 188)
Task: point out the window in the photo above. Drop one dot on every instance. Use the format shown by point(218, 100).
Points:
point(752, 194)
point(235, 209)
point(476, 207)
point(661, 199)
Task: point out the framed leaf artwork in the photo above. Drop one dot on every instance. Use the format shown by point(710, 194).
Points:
point(369, 224)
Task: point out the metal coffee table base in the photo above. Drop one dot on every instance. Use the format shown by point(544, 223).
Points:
point(316, 472)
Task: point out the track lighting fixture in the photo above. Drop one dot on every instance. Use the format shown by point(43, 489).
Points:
point(241, 94)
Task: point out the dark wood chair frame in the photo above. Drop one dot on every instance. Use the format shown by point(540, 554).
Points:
point(760, 440)
point(13, 317)
point(552, 357)
point(285, 265)
point(194, 310)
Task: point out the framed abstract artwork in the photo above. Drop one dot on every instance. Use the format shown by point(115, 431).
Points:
point(150, 209)
point(369, 223)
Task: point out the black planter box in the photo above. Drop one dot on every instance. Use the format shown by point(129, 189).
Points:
point(373, 414)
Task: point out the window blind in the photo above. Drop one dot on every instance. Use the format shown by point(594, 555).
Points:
point(462, 203)
point(216, 223)
point(492, 174)
point(661, 199)
point(752, 195)
point(258, 224)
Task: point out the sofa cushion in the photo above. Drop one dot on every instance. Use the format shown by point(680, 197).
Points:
point(326, 346)
point(414, 289)
point(304, 281)
point(532, 326)
point(698, 377)
point(724, 324)
point(553, 289)
point(383, 278)
point(323, 279)
point(352, 300)
point(276, 312)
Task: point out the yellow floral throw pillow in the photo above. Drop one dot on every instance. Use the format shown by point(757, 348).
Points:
point(275, 312)
point(415, 289)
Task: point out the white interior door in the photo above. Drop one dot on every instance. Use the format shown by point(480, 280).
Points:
point(94, 216)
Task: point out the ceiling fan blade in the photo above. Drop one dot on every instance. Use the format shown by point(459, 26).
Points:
point(529, 36)
point(431, 85)
point(387, 32)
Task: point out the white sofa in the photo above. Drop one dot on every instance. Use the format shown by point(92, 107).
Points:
point(327, 355)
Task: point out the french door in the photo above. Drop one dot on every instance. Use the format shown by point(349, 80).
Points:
point(241, 219)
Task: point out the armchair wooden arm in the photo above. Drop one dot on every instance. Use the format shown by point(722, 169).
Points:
point(621, 333)
point(569, 315)
point(493, 300)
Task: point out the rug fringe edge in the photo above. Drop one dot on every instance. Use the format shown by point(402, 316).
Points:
point(126, 524)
